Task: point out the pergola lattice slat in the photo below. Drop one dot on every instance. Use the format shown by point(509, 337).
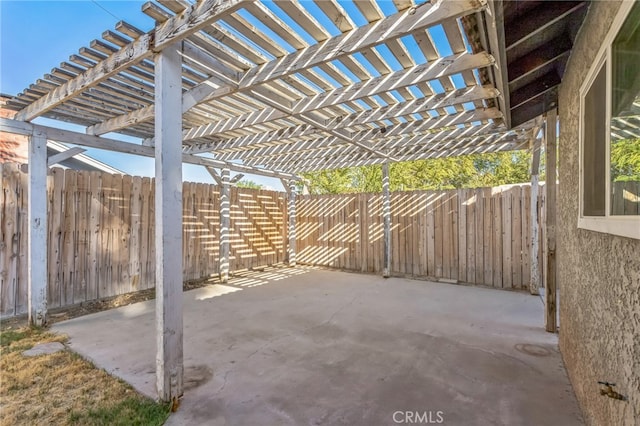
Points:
point(174, 29)
point(370, 35)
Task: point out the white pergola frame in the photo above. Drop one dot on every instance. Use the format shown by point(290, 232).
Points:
point(206, 80)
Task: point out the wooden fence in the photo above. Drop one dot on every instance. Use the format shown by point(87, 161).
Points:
point(625, 198)
point(479, 236)
point(101, 234)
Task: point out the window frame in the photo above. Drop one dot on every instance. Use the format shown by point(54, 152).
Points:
point(621, 225)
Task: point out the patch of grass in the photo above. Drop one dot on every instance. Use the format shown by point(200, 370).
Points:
point(131, 411)
point(64, 388)
point(10, 336)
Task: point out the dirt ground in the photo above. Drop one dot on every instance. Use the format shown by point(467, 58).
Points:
point(62, 314)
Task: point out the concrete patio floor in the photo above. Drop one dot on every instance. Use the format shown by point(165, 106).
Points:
point(314, 347)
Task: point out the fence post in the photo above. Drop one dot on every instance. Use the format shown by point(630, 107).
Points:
point(386, 214)
point(37, 233)
point(534, 285)
point(291, 192)
point(225, 224)
point(168, 154)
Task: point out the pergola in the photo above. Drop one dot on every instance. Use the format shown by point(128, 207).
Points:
point(234, 86)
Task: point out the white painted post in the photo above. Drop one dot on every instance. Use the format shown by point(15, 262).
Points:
point(386, 215)
point(225, 224)
point(534, 285)
point(168, 154)
point(551, 158)
point(292, 222)
point(37, 233)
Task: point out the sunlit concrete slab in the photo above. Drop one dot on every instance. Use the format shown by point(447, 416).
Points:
point(301, 346)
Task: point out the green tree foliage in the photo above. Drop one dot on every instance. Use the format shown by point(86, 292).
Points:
point(625, 160)
point(245, 183)
point(469, 171)
point(502, 168)
point(329, 181)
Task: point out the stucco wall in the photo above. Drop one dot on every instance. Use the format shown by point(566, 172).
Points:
point(599, 274)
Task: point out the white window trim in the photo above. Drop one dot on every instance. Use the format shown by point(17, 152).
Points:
point(625, 226)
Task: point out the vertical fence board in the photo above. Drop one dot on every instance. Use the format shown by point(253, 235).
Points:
point(9, 243)
point(462, 235)
point(81, 245)
point(497, 230)
point(516, 237)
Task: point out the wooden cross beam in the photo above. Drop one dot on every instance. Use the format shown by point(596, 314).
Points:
point(405, 134)
point(64, 155)
point(335, 133)
point(68, 136)
point(405, 146)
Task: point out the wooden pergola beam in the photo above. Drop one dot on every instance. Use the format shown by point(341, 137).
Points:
point(267, 99)
point(443, 67)
point(496, 45)
point(338, 161)
point(64, 155)
point(265, 139)
point(178, 27)
point(400, 147)
point(215, 175)
point(367, 36)
point(23, 128)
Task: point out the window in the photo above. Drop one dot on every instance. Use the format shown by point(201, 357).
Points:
point(610, 132)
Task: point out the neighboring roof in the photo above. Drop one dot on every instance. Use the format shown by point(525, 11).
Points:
point(80, 161)
point(293, 86)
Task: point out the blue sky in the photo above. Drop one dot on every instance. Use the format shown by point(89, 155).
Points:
point(36, 36)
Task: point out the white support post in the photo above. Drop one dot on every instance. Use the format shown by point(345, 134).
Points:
point(551, 158)
point(225, 224)
point(168, 154)
point(37, 249)
point(534, 285)
point(292, 222)
point(386, 214)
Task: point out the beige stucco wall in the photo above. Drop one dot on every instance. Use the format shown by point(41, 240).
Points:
point(599, 274)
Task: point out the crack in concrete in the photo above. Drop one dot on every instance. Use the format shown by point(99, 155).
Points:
point(340, 309)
